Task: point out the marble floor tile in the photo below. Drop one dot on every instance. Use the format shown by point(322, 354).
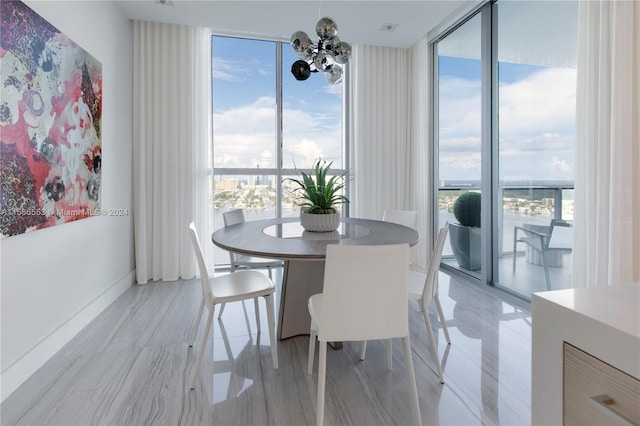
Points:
point(132, 366)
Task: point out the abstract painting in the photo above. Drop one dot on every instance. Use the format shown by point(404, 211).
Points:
point(50, 125)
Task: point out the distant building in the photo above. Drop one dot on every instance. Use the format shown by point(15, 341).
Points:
point(226, 184)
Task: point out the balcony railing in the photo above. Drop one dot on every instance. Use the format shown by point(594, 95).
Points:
point(531, 203)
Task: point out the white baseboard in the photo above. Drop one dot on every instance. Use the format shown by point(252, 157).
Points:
point(21, 370)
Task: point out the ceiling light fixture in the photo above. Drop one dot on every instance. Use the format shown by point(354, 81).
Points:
point(328, 55)
point(389, 27)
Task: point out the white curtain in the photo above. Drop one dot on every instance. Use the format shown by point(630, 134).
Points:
point(379, 137)
point(607, 183)
point(390, 156)
point(171, 116)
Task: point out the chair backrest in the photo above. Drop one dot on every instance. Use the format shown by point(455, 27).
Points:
point(365, 292)
point(401, 217)
point(233, 217)
point(204, 275)
point(434, 266)
point(560, 234)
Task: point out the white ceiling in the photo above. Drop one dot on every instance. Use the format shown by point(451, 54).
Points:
point(358, 21)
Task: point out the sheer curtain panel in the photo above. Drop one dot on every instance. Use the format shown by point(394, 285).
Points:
point(607, 186)
point(380, 145)
point(171, 116)
point(421, 148)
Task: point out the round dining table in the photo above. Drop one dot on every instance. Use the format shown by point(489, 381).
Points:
point(303, 253)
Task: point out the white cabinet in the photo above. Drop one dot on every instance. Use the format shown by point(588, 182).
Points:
point(602, 326)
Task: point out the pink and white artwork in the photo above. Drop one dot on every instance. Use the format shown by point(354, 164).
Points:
point(50, 125)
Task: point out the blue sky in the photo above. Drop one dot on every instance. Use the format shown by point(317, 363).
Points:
point(536, 115)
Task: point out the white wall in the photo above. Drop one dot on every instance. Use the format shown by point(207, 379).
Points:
point(55, 280)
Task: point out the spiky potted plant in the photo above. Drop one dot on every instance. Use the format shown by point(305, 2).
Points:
point(320, 194)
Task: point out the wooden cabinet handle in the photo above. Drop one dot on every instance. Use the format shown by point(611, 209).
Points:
point(604, 404)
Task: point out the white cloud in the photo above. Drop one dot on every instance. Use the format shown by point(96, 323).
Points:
point(536, 120)
point(459, 107)
point(245, 136)
point(334, 89)
point(229, 70)
point(560, 167)
point(468, 144)
point(461, 166)
point(543, 102)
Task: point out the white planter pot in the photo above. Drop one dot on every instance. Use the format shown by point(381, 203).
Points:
point(320, 222)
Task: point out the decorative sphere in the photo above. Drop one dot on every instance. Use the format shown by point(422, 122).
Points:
point(331, 43)
point(342, 52)
point(301, 44)
point(334, 74)
point(300, 70)
point(323, 60)
point(326, 28)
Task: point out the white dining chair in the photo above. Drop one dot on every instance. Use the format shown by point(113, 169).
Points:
point(364, 298)
point(424, 289)
point(233, 217)
point(241, 285)
point(407, 218)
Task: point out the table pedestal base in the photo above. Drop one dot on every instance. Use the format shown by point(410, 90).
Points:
point(301, 280)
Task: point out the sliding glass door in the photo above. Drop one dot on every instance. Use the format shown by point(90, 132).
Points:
point(535, 144)
point(459, 76)
point(505, 83)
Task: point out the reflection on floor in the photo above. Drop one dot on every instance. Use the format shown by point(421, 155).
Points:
point(131, 366)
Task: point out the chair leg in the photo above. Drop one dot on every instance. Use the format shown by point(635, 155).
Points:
point(413, 388)
point(389, 354)
point(546, 269)
point(257, 309)
point(434, 347)
point(363, 350)
point(442, 320)
point(203, 345)
point(272, 329)
point(232, 269)
point(269, 271)
point(515, 240)
point(197, 324)
point(312, 348)
point(322, 370)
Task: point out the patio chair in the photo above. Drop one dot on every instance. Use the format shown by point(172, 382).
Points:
point(539, 238)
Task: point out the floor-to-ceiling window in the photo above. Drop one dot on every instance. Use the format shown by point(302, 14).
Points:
point(505, 81)
point(266, 124)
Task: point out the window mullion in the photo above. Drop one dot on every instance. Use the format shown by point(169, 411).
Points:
point(279, 144)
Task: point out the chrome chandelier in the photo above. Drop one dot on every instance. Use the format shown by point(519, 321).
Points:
point(327, 56)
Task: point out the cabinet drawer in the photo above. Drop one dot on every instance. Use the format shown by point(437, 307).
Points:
point(586, 377)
